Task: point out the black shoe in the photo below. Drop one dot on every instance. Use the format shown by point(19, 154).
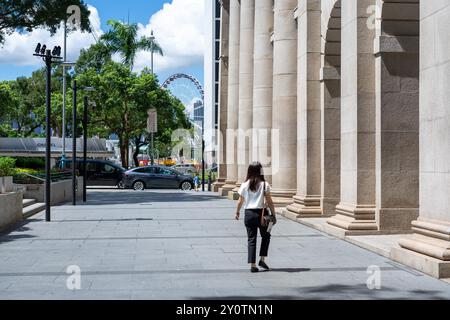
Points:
point(262, 264)
point(254, 269)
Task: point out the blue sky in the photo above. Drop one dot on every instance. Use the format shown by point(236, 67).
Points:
point(170, 19)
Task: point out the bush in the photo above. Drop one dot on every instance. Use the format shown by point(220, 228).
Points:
point(31, 163)
point(26, 170)
point(7, 166)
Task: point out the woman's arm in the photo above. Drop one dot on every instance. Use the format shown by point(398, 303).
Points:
point(239, 206)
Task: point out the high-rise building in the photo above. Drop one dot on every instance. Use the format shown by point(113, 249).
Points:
point(211, 76)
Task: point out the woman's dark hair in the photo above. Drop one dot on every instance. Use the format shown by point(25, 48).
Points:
point(254, 175)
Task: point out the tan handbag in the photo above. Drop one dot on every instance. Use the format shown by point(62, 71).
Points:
point(266, 215)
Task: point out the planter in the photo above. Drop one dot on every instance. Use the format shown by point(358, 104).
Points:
point(61, 191)
point(6, 184)
point(10, 209)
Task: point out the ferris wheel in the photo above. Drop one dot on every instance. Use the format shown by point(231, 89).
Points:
point(190, 92)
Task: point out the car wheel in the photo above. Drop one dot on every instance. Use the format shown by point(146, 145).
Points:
point(121, 185)
point(186, 185)
point(138, 185)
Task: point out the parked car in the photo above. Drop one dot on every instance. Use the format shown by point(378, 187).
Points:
point(186, 168)
point(100, 172)
point(157, 177)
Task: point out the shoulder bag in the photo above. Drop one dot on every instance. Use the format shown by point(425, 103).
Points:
point(266, 216)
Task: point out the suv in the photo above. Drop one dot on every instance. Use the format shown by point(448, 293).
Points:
point(186, 168)
point(100, 172)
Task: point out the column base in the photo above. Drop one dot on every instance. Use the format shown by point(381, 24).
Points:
point(430, 238)
point(227, 187)
point(218, 184)
point(282, 198)
point(304, 207)
point(233, 194)
point(355, 220)
point(428, 249)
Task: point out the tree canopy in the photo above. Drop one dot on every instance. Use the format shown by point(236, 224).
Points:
point(26, 15)
point(123, 39)
point(122, 100)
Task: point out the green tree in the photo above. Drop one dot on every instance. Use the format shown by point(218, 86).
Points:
point(96, 56)
point(7, 101)
point(123, 39)
point(29, 14)
point(122, 100)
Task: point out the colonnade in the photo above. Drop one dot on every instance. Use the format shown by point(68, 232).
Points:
point(345, 103)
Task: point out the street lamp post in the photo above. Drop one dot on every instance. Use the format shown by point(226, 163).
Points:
point(49, 58)
point(64, 97)
point(74, 145)
point(152, 134)
point(85, 121)
point(85, 141)
point(203, 146)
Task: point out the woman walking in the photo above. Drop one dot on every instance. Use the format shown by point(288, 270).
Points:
point(254, 194)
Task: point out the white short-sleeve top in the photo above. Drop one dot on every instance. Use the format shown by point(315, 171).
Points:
point(253, 200)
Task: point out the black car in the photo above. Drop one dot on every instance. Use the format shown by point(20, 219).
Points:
point(100, 172)
point(157, 177)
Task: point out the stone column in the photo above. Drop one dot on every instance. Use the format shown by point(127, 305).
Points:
point(307, 201)
point(262, 84)
point(397, 116)
point(233, 97)
point(428, 249)
point(223, 96)
point(245, 89)
point(331, 111)
point(356, 211)
point(284, 114)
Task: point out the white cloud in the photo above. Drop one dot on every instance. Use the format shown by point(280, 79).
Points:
point(18, 48)
point(179, 29)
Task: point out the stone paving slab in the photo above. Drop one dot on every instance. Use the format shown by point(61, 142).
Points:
point(186, 245)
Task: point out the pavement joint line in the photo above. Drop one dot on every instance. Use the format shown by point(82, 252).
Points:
point(190, 271)
point(139, 219)
point(5, 239)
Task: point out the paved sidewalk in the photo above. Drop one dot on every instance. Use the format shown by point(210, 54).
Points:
point(185, 245)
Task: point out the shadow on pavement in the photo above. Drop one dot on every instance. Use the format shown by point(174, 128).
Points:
point(130, 197)
point(288, 270)
point(6, 236)
point(338, 292)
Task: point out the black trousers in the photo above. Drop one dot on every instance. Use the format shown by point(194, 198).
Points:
point(252, 223)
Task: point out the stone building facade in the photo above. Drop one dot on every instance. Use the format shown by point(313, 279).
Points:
point(346, 105)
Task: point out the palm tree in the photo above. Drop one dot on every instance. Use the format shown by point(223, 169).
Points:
point(123, 39)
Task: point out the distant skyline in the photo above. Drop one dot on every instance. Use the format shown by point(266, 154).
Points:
point(178, 27)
